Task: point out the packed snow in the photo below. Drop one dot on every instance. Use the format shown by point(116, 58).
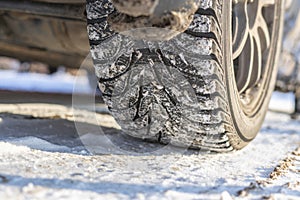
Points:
point(49, 162)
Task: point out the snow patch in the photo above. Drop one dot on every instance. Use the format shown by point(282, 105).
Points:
point(282, 102)
point(7, 147)
point(59, 82)
point(37, 143)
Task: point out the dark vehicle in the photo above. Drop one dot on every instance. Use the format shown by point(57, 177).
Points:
point(197, 74)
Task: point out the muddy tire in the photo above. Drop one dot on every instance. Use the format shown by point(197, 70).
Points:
point(192, 90)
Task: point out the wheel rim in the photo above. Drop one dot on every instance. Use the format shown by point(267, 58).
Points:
point(252, 34)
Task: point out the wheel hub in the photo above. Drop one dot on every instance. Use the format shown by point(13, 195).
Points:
point(251, 40)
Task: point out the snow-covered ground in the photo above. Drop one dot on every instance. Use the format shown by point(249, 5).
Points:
point(41, 157)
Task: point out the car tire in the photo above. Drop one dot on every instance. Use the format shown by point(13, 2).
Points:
point(191, 91)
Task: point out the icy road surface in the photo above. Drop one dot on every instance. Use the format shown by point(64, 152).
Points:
point(42, 157)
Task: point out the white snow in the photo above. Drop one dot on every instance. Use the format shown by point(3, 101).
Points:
point(37, 143)
point(37, 169)
point(7, 147)
point(59, 82)
point(282, 102)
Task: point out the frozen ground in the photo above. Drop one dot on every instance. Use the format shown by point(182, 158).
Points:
point(42, 157)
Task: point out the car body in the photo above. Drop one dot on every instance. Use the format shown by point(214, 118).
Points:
point(49, 31)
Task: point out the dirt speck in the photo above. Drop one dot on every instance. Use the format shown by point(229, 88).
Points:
point(271, 197)
point(245, 192)
point(3, 179)
point(296, 152)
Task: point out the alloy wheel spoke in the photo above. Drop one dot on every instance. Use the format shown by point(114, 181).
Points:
point(266, 2)
point(264, 30)
point(240, 29)
point(251, 39)
point(261, 22)
point(257, 60)
point(244, 74)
